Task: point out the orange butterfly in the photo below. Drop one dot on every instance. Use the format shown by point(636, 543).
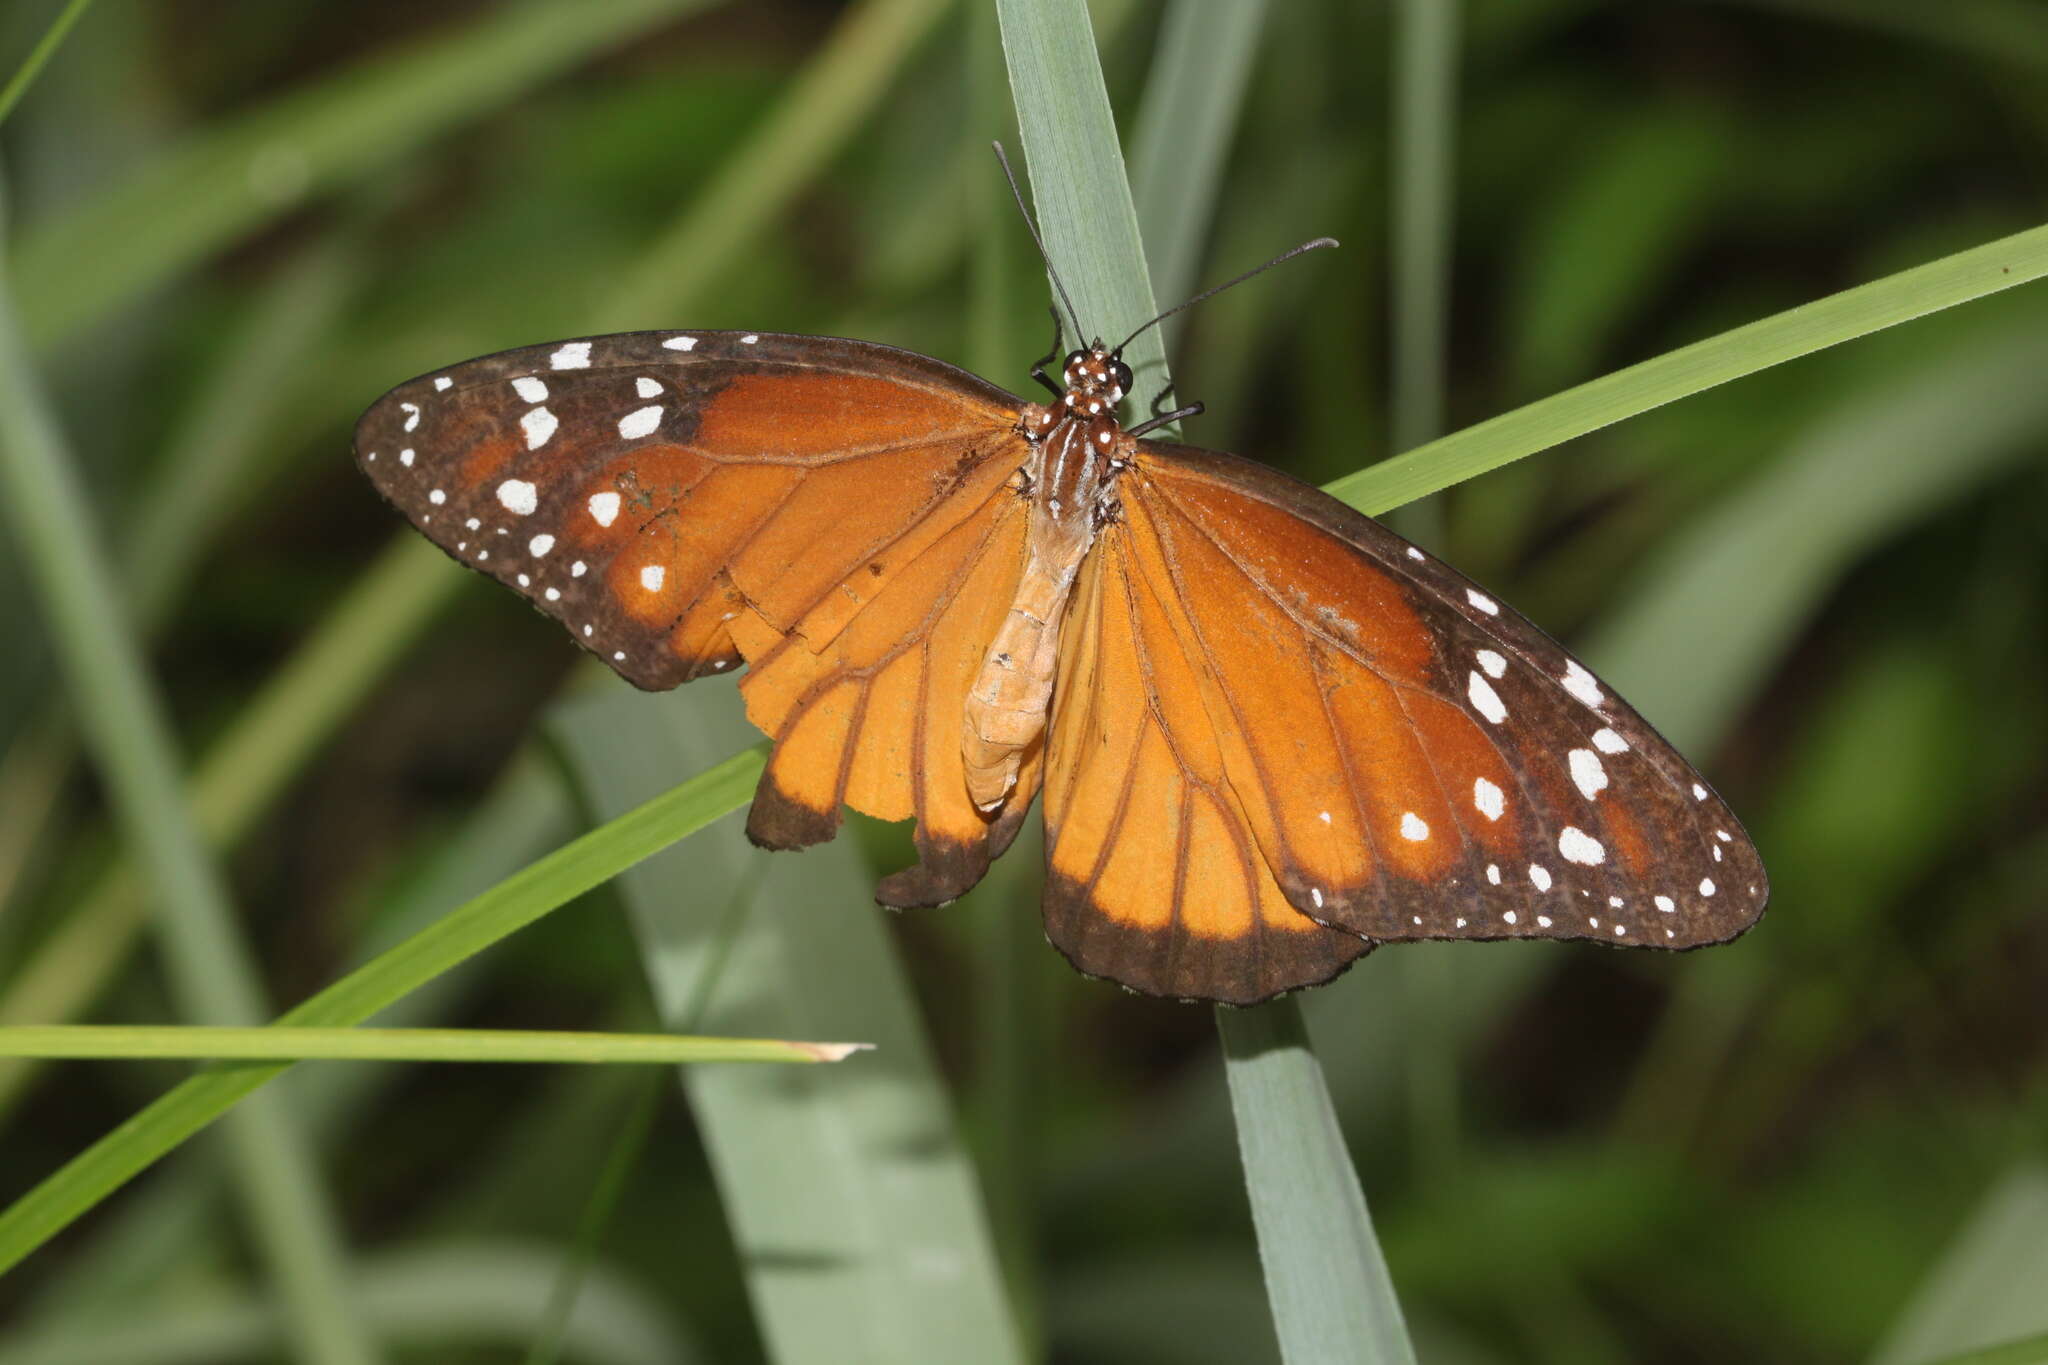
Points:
point(1269, 733)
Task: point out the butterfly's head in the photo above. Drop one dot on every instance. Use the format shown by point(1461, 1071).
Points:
point(1098, 376)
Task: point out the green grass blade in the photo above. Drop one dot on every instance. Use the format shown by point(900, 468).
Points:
point(1986, 1290)
point(828, 103)
point(225, 181)
point(1326, 1280)
point(211, 972)
point(25, 75)
point(1425, 79)
point(1954, 279)
point(1193, 93)
point(512, 904)
point(109, 1042)
point(440, 1302)
point(855, 1209)
point(1331, 1295)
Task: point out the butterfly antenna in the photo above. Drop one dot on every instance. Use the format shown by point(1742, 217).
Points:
point(1032, 228)
point(1287, 255)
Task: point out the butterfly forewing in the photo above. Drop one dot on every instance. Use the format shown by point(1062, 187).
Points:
point(667, 495)
point(1417, 760)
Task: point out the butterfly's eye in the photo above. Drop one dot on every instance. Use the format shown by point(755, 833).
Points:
point(1122, 374)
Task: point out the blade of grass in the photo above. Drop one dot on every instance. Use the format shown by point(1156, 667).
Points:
point(1987, 1287)
point(25, 75)
point(213, 188)
point(212, 974)
point(361, 637)
point(440, 1302)
point(109, 1042)
point(1944, 283)
point(1331, 1295)
point(828, 102)
point(1424, 126)
point(1193, 93)
point(854, 1207)
point(512, 904)
point(1326, 1280)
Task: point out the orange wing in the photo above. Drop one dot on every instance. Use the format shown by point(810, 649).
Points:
point(835, 513)
point(1412, 759)
point(1154, 878)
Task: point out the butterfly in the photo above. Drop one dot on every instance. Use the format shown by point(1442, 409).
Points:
point(1268, 733)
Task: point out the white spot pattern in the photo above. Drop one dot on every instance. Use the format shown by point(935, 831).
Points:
point(530, 389)
point(538, 424)
point(1493, 663)
point(1577, 846)
point(442, 383)
point(519, 497)
point(1484, 699)
point(1587, 773)
point(1413, 827)
point(652, 576)
point(647, 388)
point(1482, 601)
point(1540, 875)
point(1582, 684)
point(604, 507)
point(540, 545)
point(1608, 742)
point(571, 355)
point(639, 422)
point(680, 344)
point(1488, 799)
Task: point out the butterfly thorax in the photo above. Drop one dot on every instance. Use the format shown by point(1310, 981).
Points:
point(1077, 450)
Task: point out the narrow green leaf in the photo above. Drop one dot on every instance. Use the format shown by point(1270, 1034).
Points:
point(211, 972)
point(1986, 1290)
point(1326, 1281)
point(855, 1210)
point(225, 181)
point(109, 1042)
point(25, 75)
point(509, 906)
point(1954, 279)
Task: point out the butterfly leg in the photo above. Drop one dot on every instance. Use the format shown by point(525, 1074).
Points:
point(1038, 370)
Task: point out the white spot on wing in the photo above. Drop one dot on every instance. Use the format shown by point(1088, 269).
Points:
point(647, 388)
point(530, 389)
point(1608, 742)
point(1577, 846)
point(405, 457)
point(1540, 875)
point(651, 577)
point(1587, 774)
point(1706, 887)
point(1414, 553)
point(750, 338)
point(1482, 601)
point(576, 569)
point(1488, 799)
point(442, 383)
point(1413, 827)
point(437, 497)
point(604, 507)
point(639, 422)
point(538, 424)
point(1493, 663)
point(1666, 904)
point(1484, 699)
point(540, 545)
point(680, 344)
point(571, 355)
point(1699, 793)
point(1582, 684)
point(412, 415)
point(1315, 893)
point(1493, 873)
point(519, 497)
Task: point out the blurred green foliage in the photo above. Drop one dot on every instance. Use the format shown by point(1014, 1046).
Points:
point(1828, 579)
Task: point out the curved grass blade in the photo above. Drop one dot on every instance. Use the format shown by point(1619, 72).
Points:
point(512, 904)
point(225, 181)
point(45, 47)
point(211, 971)
point(1326, 1281)
point(854, 1207)
point(111, 1042)
point(1944, 283)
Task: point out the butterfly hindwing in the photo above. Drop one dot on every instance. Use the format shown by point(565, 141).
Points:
point(1417, 760)
point(1153, 876)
